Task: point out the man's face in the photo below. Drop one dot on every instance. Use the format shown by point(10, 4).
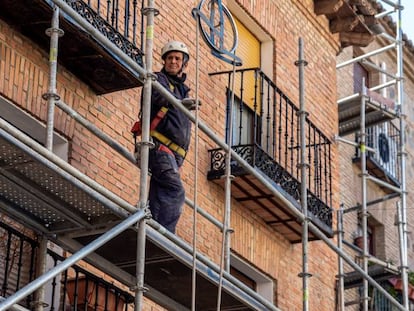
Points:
point(173, 62)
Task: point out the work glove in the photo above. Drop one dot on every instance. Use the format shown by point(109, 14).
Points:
point(190, 103)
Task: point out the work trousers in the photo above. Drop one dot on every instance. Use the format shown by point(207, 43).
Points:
point(167, 194)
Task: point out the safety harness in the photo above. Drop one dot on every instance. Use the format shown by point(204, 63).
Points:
point(137, 130)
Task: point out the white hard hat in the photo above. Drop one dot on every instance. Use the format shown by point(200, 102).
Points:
point(174, 46)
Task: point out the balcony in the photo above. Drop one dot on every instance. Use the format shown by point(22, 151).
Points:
point(80, 287)
point(385, 163)
point(79, 51)
point(378, 109)
point(266, 135)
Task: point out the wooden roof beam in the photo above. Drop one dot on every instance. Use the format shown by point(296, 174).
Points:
point(355, 38)
point(327, 6)
point(346, 24)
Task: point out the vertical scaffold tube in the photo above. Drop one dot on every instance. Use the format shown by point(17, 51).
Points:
point(51, 96)
point(145, 145)
point(226, 242)
point(340, 225)
point(364, 173)
point(195, 210)
point(403, 155)
point(301, 63)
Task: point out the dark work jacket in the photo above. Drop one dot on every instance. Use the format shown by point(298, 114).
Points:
point(175, 125)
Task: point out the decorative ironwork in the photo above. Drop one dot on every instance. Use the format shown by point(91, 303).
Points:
point(385, 138)
point(218, 29)
point(258, 158)
point(265, 133)
point(106, 29)
point(17, 269)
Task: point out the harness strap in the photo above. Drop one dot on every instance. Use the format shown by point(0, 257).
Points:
point(169, 143)
point(158, 117)
point(136, 129)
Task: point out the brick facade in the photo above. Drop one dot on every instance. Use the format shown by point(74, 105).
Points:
point(24, 74)
point(382, 215)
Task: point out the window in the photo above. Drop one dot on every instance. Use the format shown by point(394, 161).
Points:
point(252, 277)
point(243, 123)
point(255, 48)
point(360, 73)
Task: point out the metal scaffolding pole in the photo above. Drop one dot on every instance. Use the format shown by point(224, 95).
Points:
point(341, 288)
point(144, 147)
point(51, 96)
point(304, 166)
point(365, 214)
point(54, 32)
point(403, 155)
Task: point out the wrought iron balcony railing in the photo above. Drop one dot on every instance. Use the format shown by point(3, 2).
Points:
point(385, 163)
point(75, 289)
point(120, 21)
point(266, 134)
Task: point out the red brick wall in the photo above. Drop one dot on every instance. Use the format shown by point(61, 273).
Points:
point(25, 70)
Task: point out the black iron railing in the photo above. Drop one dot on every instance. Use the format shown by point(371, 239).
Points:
point(120, 21)
point(17, 260)
point(75, 288)
point(266, 121)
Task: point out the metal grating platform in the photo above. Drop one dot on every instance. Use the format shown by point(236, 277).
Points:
point(39, 193)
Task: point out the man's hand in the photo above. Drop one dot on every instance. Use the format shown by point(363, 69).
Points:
point(190, 103)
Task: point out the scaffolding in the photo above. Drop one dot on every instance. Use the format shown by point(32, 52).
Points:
point(146, 233)
point(357, 113)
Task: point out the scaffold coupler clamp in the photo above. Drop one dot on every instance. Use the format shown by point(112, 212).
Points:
point(147, 10)
point(145, 206)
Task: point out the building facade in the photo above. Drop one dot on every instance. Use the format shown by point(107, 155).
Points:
point(70, 93)
point(378, 70)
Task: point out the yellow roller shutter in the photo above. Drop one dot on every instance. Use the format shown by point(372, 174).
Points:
point(248, 50)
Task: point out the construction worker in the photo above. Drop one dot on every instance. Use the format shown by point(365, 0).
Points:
point(170, 131)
